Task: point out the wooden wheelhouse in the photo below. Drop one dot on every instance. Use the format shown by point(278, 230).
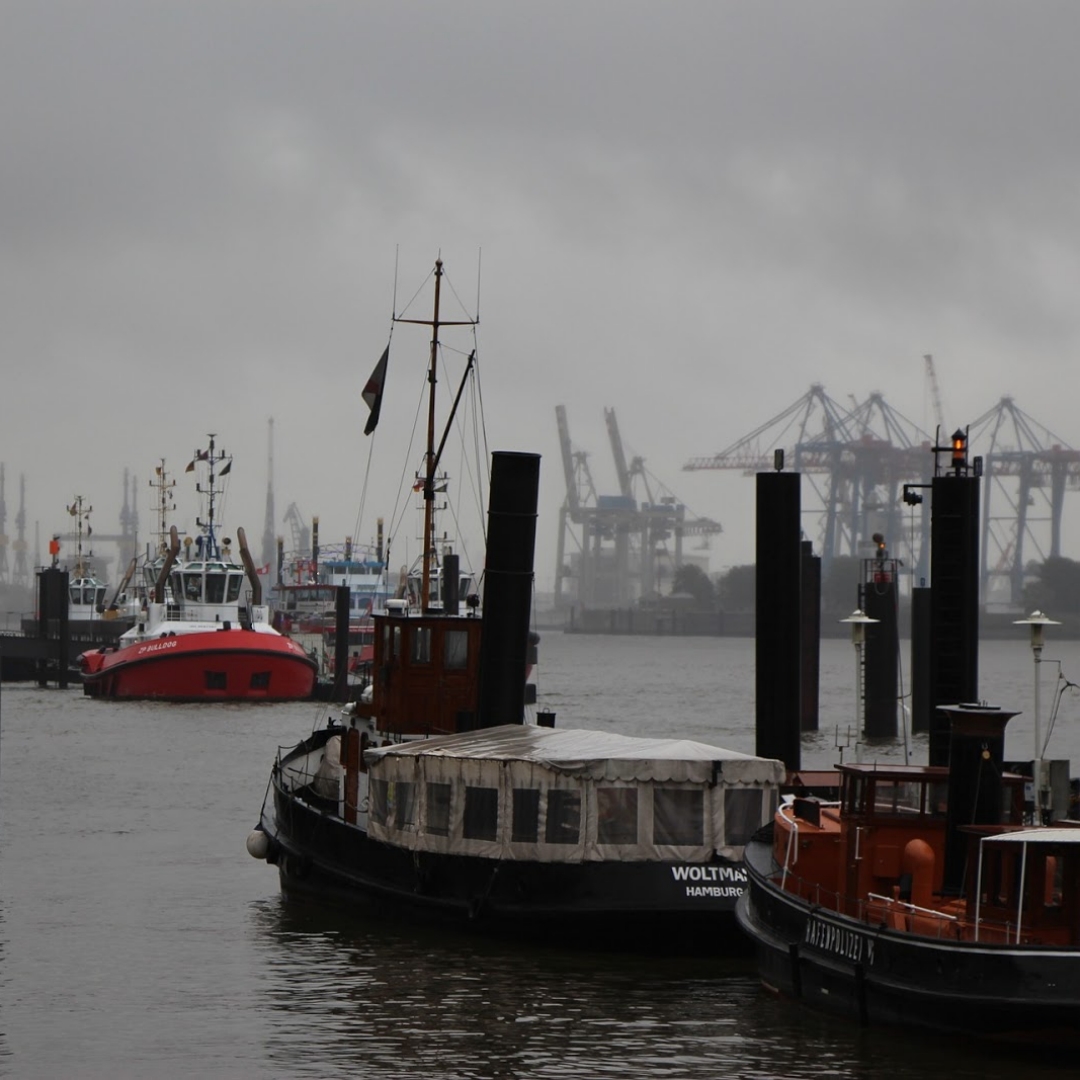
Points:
point(426, 673)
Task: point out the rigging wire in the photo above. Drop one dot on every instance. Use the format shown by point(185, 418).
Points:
point(1064, 684)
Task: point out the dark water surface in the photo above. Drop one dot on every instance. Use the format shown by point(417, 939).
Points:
point(138, 938)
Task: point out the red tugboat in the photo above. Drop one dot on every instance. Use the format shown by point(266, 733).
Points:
point(921, 898)
point(881, 909)
point(196, 640)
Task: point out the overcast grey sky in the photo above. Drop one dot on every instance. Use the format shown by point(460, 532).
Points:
point(686, 211)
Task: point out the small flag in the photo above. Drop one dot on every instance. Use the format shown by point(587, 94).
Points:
point(190, 467)
point(228, 466)
point(373, 391)
point(264, 569)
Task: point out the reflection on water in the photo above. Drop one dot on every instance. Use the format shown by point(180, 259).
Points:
point(344, 996)
point(137, 937)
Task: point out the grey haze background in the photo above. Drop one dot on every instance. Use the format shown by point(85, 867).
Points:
point(686, 211)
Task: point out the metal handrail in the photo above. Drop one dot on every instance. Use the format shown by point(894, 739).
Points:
point(908, 906)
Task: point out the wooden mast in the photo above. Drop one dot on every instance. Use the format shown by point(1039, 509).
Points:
point(429, 480)
point(429, 454)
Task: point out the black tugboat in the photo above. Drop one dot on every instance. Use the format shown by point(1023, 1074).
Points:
point(433, 794)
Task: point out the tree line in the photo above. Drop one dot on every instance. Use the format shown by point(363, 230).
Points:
point(1052, 586)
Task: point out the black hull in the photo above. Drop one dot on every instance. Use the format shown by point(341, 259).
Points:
point(635, 907)
point(879, 976)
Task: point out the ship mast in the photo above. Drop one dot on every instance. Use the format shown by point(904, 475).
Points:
point(430, 456)
point(164, 487)
point(212, 459)
point(76, 511)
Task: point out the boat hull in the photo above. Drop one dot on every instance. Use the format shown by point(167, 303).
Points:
point(875, 975)
point(644, 907)
point(222, 665)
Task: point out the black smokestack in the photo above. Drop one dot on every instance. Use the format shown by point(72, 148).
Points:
point(508, 586)
point(976, 756)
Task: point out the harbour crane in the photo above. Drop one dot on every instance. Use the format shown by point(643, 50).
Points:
point(935, 393)
point(855, 460)
point(1028, 470)
point(622, 554)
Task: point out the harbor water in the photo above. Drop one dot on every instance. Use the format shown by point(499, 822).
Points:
point(139, 939)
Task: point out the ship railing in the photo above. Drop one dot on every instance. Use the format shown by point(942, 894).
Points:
point(810, 891)
point(941, 921)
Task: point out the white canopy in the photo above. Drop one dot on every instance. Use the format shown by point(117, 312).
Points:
point(1063, 834)
point(596, 755)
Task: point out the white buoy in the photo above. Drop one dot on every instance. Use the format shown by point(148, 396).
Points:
point(258, 844)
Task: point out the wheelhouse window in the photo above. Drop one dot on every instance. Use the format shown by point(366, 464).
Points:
point(481, 813)
point(192, 586)
point(616, 811)
point(678, 816)
point(525, 825)
point(455, 649)
point(236, 583)
point(563, 817)
point(438, 809)
point(854, 795)
point(215, 588)
point(897, 797)
point(421, 645)
point(742, 815)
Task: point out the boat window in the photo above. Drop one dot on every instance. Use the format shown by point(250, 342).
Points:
point(616, 812)
point(260, 680)
point(215, 588)
point(395, 648)
point(236, 583)
point(216, 680)
point(455, 649)
point(1053, 879)
point(563, 816)
point(400, 800)
point(678, 816)
point(897, 797)
point(438, 809)
point(525, 827)
point(481, 813)
point(421, 645)
point(192, 586)
point(377, 802)
point(742, 815)
point(854, 795)
point(937, 799)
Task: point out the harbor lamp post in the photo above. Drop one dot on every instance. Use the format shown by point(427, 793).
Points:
point(1036, 621)
point(859, 621)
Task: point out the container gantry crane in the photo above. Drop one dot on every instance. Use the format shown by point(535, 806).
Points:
point(1028, 470)
point(855, 460)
